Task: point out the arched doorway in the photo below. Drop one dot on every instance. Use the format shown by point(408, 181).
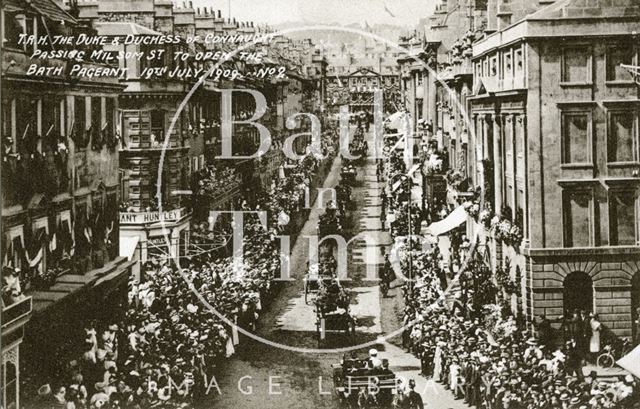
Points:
point(635, 305)
point(578, 292)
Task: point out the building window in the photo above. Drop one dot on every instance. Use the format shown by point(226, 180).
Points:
point(52, 116)
point(576, 210)
point(508, 64)
point(519, 60)
point(575, 138)
point(576, 63)
point(96, 115)
point(621, 137)
point(157, 127)
point(616, 56)
point(622, 218)
point(7, 118)
point(110, 112)
point(14, 25)
point(80, 126)
point(494, 66)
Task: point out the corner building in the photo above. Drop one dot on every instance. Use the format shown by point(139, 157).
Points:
point(556, 116)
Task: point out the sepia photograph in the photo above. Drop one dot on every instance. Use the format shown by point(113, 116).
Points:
point(301, 204)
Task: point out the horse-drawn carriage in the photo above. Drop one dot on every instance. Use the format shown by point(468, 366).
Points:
point(331, 222)
point(332, 310)
point(357, 383)
point(348, 175)
point(314, 280)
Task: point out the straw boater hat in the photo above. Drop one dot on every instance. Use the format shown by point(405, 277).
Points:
point(44, 390)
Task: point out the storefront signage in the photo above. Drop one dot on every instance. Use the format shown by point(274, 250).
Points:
point(151, 217)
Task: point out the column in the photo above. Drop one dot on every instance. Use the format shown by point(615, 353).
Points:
point(522, 119)
point(485, 137)
point(497, 160)
point(513, 119)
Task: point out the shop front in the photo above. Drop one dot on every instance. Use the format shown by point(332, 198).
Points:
point(154, 235)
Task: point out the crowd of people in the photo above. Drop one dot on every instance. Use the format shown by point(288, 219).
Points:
point(474, 346)
point(179, 322)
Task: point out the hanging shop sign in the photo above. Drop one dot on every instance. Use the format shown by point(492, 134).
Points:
point(152, 217)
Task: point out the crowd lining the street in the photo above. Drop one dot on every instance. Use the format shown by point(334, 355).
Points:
point(177, 327)
point(468, 341)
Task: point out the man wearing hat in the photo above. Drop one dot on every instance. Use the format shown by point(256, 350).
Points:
point(374, 362)
point(414, 398)
point(574, 360)
point(532, 349)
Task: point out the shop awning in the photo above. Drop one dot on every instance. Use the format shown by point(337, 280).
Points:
point(453, 220)
point(631, 362)
point(128, 246)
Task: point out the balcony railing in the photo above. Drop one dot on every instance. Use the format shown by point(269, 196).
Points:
point(16, 312)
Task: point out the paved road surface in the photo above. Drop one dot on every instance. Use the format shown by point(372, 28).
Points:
point(266, 377)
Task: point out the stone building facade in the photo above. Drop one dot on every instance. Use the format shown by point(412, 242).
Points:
point(556, 116)
point(60, 190)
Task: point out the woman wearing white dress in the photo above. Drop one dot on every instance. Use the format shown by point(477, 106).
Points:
point(594, 342)
point(437, 360)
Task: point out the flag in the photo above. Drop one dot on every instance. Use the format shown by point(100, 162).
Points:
point(631, 362)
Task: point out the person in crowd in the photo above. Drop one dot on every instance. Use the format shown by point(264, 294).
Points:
point(495, 362)
point(545, 332)
point(594, 342)
point(167, 333)
point(414, 398)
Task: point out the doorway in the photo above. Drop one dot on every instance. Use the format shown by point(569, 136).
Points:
point(578, 293)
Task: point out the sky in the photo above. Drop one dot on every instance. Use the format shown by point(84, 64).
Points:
point(396, 12)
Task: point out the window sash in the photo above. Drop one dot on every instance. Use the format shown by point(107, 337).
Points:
point(622, 224)
point(577, 226)
point(616, 151)
point(571, 142)
point(572, 73)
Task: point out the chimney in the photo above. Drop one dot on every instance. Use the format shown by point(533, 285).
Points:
point(219, 14)
point(211, 12)
point(198, 10)
point(190, 4)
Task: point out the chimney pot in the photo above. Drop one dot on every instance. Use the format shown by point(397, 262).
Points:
point(190, 4)
point(219, 14)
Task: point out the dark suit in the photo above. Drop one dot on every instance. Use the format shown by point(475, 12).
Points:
point(415, 400)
